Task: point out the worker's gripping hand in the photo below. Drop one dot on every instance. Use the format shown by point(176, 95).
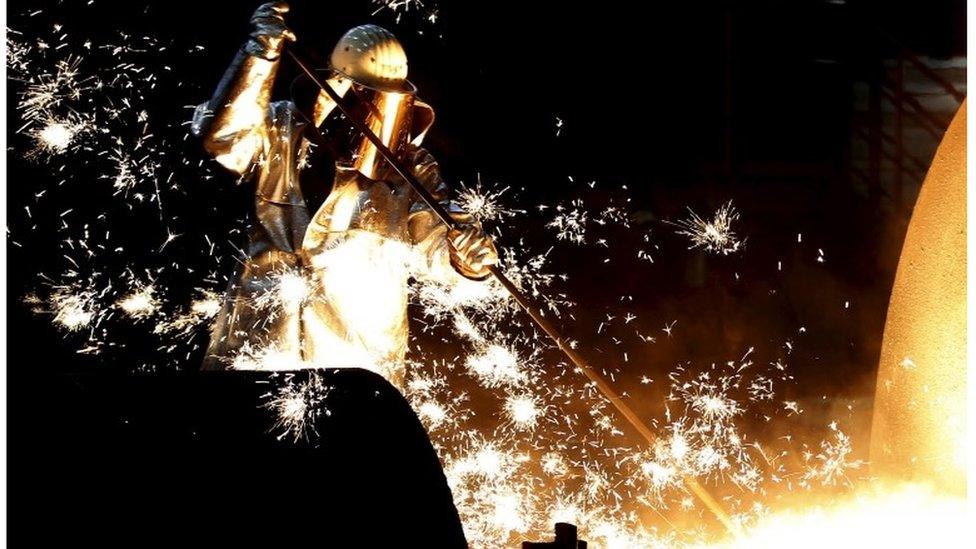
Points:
point(472, 251)
point(270, 32)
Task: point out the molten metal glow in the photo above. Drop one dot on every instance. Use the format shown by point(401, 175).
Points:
point(921, 396)
point(907, 516)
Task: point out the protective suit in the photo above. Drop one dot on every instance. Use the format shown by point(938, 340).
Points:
point(326, 286)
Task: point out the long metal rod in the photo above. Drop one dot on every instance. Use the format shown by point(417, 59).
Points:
point(690, 482)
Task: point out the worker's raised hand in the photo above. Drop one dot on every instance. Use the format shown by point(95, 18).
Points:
point(472, 251)
point(270, 32)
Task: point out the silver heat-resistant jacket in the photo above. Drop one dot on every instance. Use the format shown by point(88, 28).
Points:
point(325, 288)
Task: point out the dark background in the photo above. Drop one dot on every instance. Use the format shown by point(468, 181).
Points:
point(686, 104)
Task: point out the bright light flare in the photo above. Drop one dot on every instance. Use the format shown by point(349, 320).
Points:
point(908, 516)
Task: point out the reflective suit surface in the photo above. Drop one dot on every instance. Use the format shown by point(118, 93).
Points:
point(325, 288)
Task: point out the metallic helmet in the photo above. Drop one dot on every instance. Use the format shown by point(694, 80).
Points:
point(372, 56)
point(369, 68)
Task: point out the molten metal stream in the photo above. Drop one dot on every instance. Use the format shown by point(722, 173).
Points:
point(691, 483)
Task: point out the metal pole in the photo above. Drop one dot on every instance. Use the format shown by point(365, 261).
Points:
point(519, 297)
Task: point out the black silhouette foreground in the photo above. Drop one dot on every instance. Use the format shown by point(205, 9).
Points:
point(566, 538)
point(191, 459)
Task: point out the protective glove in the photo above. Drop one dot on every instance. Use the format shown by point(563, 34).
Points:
point(472, 251)
point(270, 32)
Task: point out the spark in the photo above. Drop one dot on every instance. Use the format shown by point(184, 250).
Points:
point(268, 358)
point(141, 302)
point(570, 222)
point(207, 306)
point(495, 366)
point(554, 464)
point(523, 411)
point(433, 414)
point(201, 309)
point(716, 235)
point(125, 177)
point(74, 308)
point(668, 327)
point(170, 237)
point(298, 405)
point(397, 5)
point(831, 464)
point(402, 7)
point(288, 291)
point(483, 204)
point(46, 91)
point(56, 137)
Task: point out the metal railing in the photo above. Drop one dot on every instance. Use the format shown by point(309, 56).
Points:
point(907, 167)
point(907, 108)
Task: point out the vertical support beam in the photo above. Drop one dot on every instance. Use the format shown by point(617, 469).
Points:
point(899, 135)
point(728, 160)
point(874, 137)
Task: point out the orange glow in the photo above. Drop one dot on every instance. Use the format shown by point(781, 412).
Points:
point(919, 424)
point(907, 516)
